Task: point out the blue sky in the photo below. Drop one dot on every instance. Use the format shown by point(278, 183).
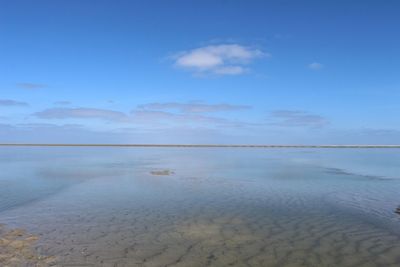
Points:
point(269, 72)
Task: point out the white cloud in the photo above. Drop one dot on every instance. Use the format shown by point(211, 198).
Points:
point(230, 70)
point(315, 66)
point(224, 59)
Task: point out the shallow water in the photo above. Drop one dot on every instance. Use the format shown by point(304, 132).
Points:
point(216, 206)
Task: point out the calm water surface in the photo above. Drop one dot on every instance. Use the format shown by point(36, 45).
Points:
point(220, 207)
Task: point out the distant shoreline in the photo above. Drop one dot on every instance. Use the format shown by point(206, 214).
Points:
point(197, 146)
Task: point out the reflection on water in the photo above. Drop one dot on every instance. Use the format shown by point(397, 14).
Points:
point(204, 207)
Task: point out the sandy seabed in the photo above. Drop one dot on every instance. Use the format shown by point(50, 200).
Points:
point(17, 249)
point(210, 239)
point(132, 210)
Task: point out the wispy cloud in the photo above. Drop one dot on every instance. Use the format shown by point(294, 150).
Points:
point(39, 127)
point(31, 85)
point(63, 133)
point(315, 66)
point(152, 115)
point(189, 113)
point(223, 59)
point(140, 116)
point(70, 133)
point(9, 102)
point(193, 107)
point(296, 118)
point(82, 113)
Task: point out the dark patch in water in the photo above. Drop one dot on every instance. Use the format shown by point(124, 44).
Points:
point(397, 210)
point(338, 171)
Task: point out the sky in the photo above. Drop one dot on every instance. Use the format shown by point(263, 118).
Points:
point(197, 72)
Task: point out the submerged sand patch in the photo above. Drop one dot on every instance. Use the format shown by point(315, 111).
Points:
point(17, 249)
point(162, 172)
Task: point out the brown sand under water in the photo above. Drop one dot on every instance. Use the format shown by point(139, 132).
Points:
point(17, 249)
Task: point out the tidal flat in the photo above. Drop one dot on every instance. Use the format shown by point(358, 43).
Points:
point(116, 206)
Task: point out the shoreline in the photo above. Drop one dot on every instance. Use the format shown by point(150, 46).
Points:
point(194, 145)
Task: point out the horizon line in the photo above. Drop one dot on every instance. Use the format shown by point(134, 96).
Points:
point(194, 145)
